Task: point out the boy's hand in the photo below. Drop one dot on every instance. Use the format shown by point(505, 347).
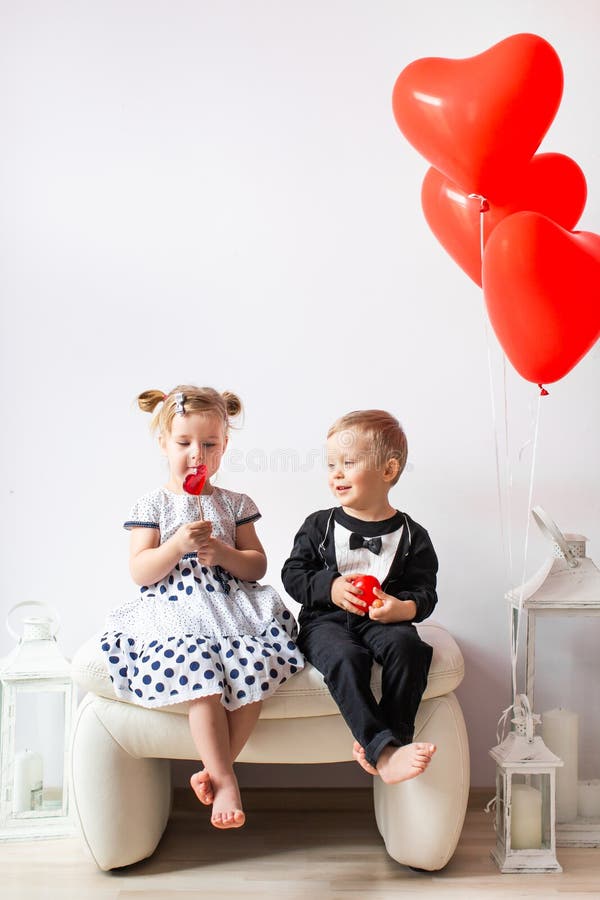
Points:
point(346, 596)
point(389, 609)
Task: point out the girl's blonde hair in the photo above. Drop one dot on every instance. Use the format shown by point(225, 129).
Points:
point(383, 432)
point(195, 400)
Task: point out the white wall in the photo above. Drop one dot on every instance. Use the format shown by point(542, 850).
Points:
point(218, 192)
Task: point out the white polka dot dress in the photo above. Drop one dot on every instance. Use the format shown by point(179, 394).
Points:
point(200, 630)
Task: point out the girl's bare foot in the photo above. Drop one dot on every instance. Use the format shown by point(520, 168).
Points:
point(401, 763)
point(359, 755)
point(227, 806)
point(202, 787)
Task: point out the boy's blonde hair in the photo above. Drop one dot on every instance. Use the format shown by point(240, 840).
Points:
point(195, 400)
point(384, 433)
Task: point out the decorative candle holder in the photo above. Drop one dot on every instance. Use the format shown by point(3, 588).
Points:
point(566, 585)
point(38, 699)
point(525, 798)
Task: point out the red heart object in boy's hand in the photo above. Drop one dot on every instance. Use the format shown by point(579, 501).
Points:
point(366, 583)
point(194, 482)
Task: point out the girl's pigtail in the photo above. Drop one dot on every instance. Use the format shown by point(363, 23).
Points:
point(149, 400)
point(233, 404)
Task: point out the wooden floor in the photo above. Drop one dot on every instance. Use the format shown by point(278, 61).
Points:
point(306, 854)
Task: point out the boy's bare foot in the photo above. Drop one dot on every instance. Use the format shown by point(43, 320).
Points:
point(227, 806)
point(359, 755)
point(402, 763)
point(202, 787)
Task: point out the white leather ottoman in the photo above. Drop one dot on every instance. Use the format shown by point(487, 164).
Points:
point(121, 772)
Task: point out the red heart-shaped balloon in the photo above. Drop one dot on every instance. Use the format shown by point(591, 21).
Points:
point(551, 184)
point(541, 285)
point(194, 482)
point(480, 120)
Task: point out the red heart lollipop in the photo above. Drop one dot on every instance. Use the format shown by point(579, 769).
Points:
point(366, 583)
point(194, 482)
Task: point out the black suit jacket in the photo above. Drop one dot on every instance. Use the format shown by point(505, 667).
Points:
point(311, 568)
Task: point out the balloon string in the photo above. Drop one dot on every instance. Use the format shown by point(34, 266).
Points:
point(515, 632)
point(506, 550)
point(509, 474)
point(499, 491)
point(483, 208)
point(502, 725)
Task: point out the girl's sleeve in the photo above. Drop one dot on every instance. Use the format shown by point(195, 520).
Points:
point(143, 514)
point(246, 510)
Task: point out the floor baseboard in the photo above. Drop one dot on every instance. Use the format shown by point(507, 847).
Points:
point(333, 799)
point(336, 799)
point(479, 797)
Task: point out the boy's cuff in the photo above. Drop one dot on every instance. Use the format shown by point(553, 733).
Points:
point(420, 613)
point(322, 586)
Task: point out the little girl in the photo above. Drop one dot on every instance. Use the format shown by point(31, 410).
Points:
point(201, 630)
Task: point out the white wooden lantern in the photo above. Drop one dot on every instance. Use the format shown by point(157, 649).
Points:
point(525, 798)
point(566, 585)
point(38, 700)
point(566, 577)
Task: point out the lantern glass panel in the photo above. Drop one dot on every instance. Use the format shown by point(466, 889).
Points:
point(532, 813)
point(39, 761)
point(542, 781)
point(500, 804)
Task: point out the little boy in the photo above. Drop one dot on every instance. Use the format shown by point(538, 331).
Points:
point(339, 634)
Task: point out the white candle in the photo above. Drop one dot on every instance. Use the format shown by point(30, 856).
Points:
point(588, 799)
point(27, 782)
point(560, 734)
point(525, 818)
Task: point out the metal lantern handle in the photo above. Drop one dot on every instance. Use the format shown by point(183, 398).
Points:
point(55, 616)
point(551, 529)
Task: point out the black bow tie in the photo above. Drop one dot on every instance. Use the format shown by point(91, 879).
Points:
point(372, 544)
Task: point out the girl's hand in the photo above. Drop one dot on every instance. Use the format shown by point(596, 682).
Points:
point(346, 596)
point(246, 561)
point(209, 554)
point(389, 609)
point(193, 535)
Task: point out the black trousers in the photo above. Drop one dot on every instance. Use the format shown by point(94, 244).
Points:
point(342, 647)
